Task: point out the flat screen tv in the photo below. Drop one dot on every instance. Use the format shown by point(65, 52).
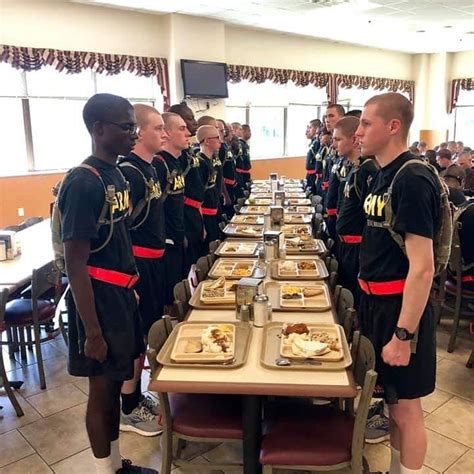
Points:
point(203, 79)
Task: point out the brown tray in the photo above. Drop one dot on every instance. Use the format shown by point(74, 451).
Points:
point(243, 336)
point(197, 303)
point(297, 219)
point(257, 272)
point(243, 249)
point(259, 202)
point(292, 209)
point(298, 201)
point(318, 248)
point(271, 351)
point(248, 220)
point(320, 274)
point(236, 230)
point(254, 210)
point(318, 303)
point(290, 230)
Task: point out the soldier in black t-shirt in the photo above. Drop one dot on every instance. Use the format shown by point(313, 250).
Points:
point(228, 172)
point(312, 134)
point(394, 310)
point(351, 220)
point(105, 336)
point(321, 164)
point(170, 173)
point(246, 161)
point(147, 229)
point(208, 138)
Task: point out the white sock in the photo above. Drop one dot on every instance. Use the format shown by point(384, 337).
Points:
point(104, 465)
point(115, 454)
point(405, 470)
point(395, 465)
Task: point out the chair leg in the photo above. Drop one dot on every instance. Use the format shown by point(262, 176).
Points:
point(29, 338)
point(8, 389)
point(39, 357)
point(11, 348)
point(470, 361)
point(63, 329)
point(21, 339)
point(457, 314)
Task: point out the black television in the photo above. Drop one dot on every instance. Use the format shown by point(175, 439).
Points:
point(204, 79)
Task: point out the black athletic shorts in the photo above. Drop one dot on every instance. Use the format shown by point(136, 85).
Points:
point(212, 228)
point(378, 317)
point(174, 270)
point(310, 182)
point(151, 290)
point(119, 320)
point(348, 259)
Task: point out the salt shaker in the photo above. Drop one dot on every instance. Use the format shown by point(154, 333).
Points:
point(244, 313)
point(260, 310)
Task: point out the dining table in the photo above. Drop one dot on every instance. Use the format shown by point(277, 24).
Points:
point(254, 381)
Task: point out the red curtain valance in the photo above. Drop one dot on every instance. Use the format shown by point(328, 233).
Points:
point(72, 62)
point(466, 84)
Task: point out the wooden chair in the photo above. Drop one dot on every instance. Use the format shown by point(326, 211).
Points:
point(182, 294)
point(3, 374)
point(301, 436)
point(199, 418)
point(24, 314)
point(202, 268)
point(214, 245)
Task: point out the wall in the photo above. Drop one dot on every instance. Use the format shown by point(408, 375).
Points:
point(462, 65)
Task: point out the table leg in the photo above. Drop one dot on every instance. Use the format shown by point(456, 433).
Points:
point(252, 425)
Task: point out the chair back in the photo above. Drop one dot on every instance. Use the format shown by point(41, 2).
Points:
point(202, 268)
point(157, 335)
point(237, 208)
point(222, 226)
point(211, 258)
point(3, 303)
point(344, 302)
point(316, 200)
point(181, 293)
point(44, 279)
point(214, 245)
point(241, 201)
point(363, 356)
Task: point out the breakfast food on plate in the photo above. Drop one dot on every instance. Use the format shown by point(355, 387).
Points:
point(298, 328)
point(217, 338)
point(309, 291)
point(289, 292)
point(306, 348)
point(243, 272)
point(287, 266)
point(193, 346)
point(214, 289)
point(248, 230)
point(307, 265)
point(231, 248)
point(324, 337)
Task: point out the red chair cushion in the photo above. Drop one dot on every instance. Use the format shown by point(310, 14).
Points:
point(207, 416)
point(20, 311)
point(466, 291)
point(307, 435)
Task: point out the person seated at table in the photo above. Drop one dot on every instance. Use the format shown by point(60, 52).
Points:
point(105, 336)
point(147, 229)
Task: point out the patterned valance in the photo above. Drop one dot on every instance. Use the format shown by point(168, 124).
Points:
point(72, 62)
point(258, 74)
point(377, 83)
point(466, 84)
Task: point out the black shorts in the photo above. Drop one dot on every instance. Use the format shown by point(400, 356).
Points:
point(119, 320)
point(348, 259)
point(151, 290)
point(310, 182)
point(193, 225)
point(378, 317)
point(212, 228)
point(194, 250)
point(174, 270)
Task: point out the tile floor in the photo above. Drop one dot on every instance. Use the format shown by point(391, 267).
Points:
point(51, 437)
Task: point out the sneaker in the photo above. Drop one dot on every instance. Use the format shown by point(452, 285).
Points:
point(140, 421)
point(375, 409)
point(376, 430)
point(150, 404)
point(129, 468)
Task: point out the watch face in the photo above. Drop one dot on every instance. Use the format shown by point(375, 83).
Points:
point(403, 334)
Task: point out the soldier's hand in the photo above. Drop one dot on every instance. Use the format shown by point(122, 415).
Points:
point(95, 348)
point(396, 352)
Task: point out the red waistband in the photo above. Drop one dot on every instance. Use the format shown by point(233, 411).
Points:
point(310, 171)
point(111, 276)
point(331, 212)
point(192, 203)
point(325, 185)
point(351, 239)
point(209, 211)
point(319, 175)
point(467, 278)
point(144, 252)
point(379, 288)
point(242, 171)
point(228, 181)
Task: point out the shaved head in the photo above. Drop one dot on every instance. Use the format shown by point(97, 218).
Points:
point(347, 125)
point(143, 113)
point(206, 120)
point(169, 118)
point(393, 106)
point(206, 131)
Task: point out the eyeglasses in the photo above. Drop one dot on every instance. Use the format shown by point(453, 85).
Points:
point(131, 128)
point(214, 138)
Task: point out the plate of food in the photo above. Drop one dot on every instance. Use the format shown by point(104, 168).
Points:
point(297, 218)
point(308, 269)
point(250, 220)
point(204, 343)
point(258, 210)
point(304, 244)
point(220, 291)
point(233, 268)
point(235, 248)
point(295, 229)
point(292, 209)
point(243, 230)
point(299, 202)
point(259, 201)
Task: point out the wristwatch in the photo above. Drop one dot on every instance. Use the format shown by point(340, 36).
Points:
point(403, 334)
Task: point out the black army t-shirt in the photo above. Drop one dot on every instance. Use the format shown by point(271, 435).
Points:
point(339, 171)
point(165, 164)
point(311, 154)
point(193, 184)
point(209, 177)
point(151, 233)
point(466, 233)
point(415, 204)
point(352, 191)
point(246, 164)
point(81, 201)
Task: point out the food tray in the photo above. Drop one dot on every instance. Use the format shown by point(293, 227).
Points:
point(243, 335)
point(227, 267)
point(298, 273)
point(243, 230)
point(296, 229)
point(309, 247)
point(254, 210)
point(292, 209)
point(321, 302)
point(297, 218)
point(259, 202)
point(298, 201)
point(272, 348)
point(199, 301)
point(249, 220)
point(242, 249)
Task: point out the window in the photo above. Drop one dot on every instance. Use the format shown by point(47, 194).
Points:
point(278, 115)
point(462, 119)
point(42, 114)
